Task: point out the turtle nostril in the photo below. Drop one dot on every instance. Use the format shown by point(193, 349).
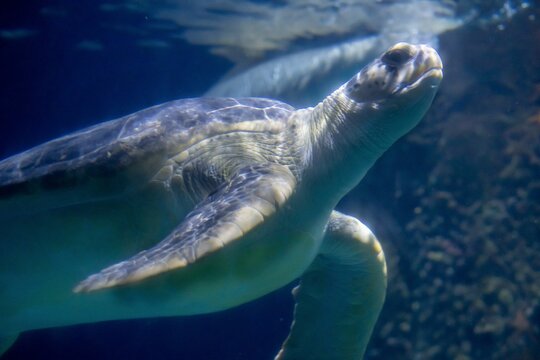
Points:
point(396, 57)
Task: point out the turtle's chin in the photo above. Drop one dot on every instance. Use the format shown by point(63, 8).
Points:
point(414, 97)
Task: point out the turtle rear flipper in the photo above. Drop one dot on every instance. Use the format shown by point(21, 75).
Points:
point(253, 194)
point(340, 295)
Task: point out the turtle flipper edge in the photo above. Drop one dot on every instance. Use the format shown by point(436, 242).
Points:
point(6, 342)
point(340, 295)
point(253, 194)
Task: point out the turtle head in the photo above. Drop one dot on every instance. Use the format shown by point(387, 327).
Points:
point(353, 126)
point(396, 89)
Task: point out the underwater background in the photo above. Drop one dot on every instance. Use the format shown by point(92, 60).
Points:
point(456, 203)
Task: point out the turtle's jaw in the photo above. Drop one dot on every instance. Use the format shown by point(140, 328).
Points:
point(423, 70)
point(396, 73)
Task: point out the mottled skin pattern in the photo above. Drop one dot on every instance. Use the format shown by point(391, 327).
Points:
point(233, 198)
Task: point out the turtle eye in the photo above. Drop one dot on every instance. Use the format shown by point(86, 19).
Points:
point(396, 57)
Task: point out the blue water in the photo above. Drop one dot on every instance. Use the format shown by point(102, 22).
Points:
point(63, 68)
point(51, 86)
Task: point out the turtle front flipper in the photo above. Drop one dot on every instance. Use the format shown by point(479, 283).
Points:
point(340, 295)
point(252, 195)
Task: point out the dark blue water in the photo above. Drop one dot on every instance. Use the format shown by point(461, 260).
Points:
point(51, 86)
point(455, 203)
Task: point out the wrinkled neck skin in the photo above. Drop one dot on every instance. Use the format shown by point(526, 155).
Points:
point(346, 138)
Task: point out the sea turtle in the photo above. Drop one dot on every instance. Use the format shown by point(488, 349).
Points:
point(241, 193)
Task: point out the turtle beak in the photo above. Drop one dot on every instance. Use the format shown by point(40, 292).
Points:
point(401, 69)
point(422, 68)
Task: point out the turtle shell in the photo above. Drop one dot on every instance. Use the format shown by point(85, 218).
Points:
point(122, 155)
